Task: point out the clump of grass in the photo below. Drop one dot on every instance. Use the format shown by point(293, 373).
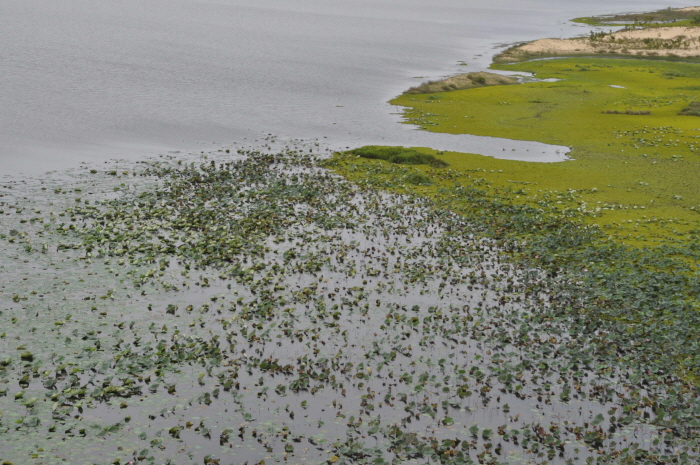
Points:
point(461, 82)
point(399, 155)
point(627, 112)
point(672, 74)
point(693, 109)
point(418, 178)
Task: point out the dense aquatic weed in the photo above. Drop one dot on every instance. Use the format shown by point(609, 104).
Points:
point(257, 308)
point(654, 286)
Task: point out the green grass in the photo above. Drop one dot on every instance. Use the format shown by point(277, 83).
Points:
point(399, 155)
point(636, 174)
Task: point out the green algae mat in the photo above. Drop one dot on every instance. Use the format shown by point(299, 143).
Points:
point(258, 308)
point(635, 162)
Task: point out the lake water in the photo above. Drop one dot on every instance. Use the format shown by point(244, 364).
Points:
point(87, 81)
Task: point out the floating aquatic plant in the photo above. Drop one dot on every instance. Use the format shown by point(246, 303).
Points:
point(258, 308)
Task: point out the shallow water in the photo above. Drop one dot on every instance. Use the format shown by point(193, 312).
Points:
point(352, 326)
point(130, 80)
point(100, 80)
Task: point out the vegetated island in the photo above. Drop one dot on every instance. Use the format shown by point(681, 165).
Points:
point(622, 214)
point(668, 34)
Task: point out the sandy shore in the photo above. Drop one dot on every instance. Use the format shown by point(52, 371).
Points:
point(663, 41)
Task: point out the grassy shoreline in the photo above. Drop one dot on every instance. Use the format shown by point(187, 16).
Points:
point(462, 82)
point(626, 167)
point(622, 215)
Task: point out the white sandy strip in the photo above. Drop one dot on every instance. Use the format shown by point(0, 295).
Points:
point(626, 42)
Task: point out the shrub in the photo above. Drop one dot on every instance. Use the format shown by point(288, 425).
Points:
point(627, 112)
point(693, 109)
point(399, 155)
point(418, 178)
point(461, 82)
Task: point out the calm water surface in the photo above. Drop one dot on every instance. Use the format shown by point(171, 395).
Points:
point(87, 80)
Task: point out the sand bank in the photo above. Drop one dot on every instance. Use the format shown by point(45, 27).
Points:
point(660, 41)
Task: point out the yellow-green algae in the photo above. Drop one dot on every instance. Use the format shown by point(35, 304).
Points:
point(636, 175)
point(632, 176)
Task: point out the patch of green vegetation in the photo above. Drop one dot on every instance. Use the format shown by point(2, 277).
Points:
point(693, 109)
point(418, 178)
point(242, 291)
point(635, 174)
point(461, 82)
point(399, 155)
point(627, 112)
point(214, 299)
point(639, 289)
point(665, 17)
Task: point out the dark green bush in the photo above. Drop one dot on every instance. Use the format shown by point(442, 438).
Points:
point(418, 178)
point(399, 155)
point(693, 109)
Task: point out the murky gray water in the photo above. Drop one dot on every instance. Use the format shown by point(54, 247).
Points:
point(98, 80)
